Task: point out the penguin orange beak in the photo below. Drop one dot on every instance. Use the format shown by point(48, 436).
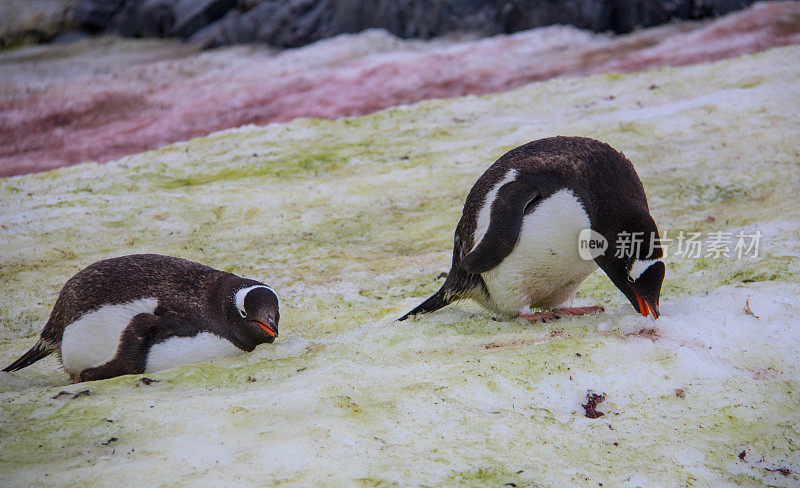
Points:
point(268, 326)
point(646, 308)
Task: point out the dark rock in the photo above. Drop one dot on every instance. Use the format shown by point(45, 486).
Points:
point(291, 23)
point(149, 18)
point(96, 15)
point(157, 18)
point(30, 22)
point(229, 29)
point(193, 15)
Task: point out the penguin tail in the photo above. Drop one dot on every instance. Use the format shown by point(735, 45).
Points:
point(436, 301)
point(42, 349)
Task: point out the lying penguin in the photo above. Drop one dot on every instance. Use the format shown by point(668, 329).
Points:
point(517, 244)
point(146, 312)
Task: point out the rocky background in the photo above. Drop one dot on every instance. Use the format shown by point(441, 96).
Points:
point(292, 23)
point(33, 21)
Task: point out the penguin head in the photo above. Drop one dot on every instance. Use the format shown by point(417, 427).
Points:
point(639, 274)
point(645, 277)
point(253, 309)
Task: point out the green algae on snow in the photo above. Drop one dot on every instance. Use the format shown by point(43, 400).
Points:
point(352, 222)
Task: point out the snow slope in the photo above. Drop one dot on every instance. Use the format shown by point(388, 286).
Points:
point(351, 221)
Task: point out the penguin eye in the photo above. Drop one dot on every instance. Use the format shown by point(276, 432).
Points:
point(242, 312)
point(531, 204)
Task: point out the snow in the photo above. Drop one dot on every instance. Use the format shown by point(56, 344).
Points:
point(351, 222)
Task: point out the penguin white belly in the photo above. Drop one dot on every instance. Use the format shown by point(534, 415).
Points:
point(177, 351)
point(544, 269)
point(93, 339)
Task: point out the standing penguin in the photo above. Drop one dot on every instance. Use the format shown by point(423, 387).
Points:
point(146, 312)
point(517, 243)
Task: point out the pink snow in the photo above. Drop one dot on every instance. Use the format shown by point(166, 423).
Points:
point(55, 114)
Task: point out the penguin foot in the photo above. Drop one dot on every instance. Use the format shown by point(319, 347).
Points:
point(539, 318)
point(577, 311)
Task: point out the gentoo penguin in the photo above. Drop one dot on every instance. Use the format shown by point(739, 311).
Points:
point(146, 312)
point(517, 243)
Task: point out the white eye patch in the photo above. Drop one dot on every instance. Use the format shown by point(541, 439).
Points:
point(242, 294)
point(640, 266)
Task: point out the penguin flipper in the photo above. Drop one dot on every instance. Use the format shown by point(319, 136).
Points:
point(40, 350)
point(143, 331)
point(433, 303)
point(510, 206)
